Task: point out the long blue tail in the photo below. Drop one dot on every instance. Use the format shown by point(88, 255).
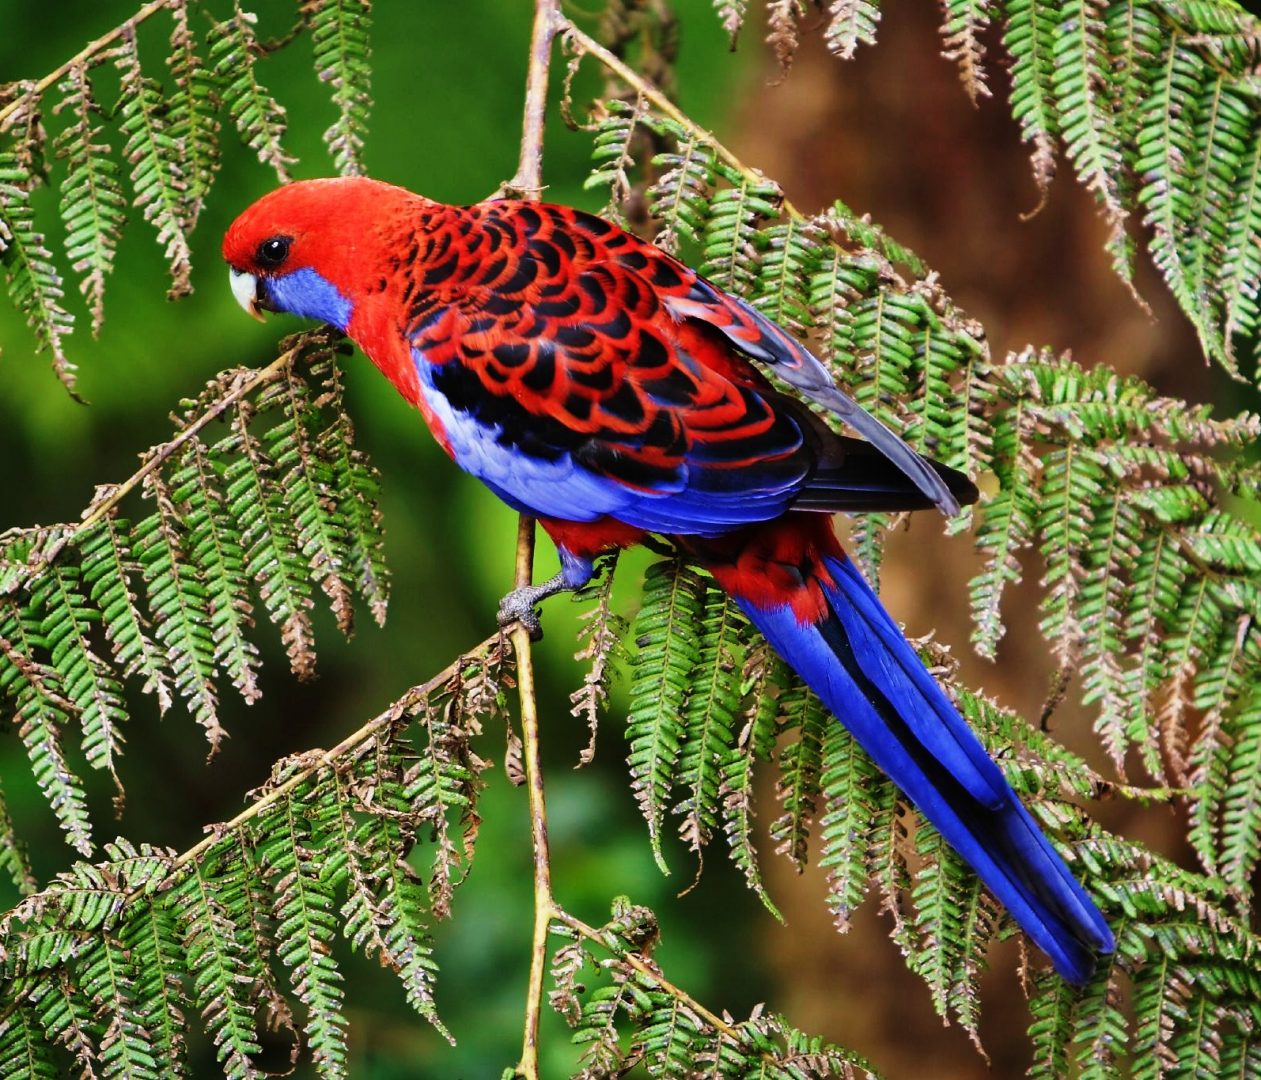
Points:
point(857, 660)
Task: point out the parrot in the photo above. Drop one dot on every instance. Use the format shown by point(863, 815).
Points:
point(601, 386)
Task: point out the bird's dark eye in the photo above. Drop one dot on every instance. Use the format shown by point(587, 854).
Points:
point(271, 253)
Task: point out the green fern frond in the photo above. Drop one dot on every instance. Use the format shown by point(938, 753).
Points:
point(1240, 275)
point(1241, 1056)
point(838, 279)
point(1155, 587)
point(784, 281)
point(953, 390)
point(42, 710)
point(1100, 1032)
point(1197, 1045)
point(339, 38)
point(1153, 102)
point(1166, 144)
point(1219, 686)
point(954, 922)
point(1199, 619)
point(754, 743)
point(116, 961)
point(665, 632)
point(244, 887)
point(108, 978)
point(1112, 551)
point(216, 961)
point(157, 163)
point(193, 119)
point(177, 598)
point(729, 245)
point(213, 544)
point(66, 621)
point(259, 117)
point(65, 1019)
point(1226, 127)
point(850, 23)
point(23, 1049)
point(1070, 490)
point(709, 718)
point(1159, 1006)
point(596, 1029)
point(1241, 802)
point(852, 789)
point(386, 911)
point(446, 780)
point(152, 942)
point(171, 594)
point(306, 484)
point(1080, 81)
point(633, 1017)
point(668, 1037)
point(272, 556)
point(1051, 1030)
point(93, 207)
point(169, 136)
point(306, 921)
point(613, 134)
point(800, 765)
point(108, 567)
point(885, 329)
point(680, 198)
point(1133, 34)
point(966, 22)
point(355, 486)
point(35, 285)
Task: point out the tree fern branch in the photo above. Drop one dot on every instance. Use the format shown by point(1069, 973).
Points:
point(89, 52)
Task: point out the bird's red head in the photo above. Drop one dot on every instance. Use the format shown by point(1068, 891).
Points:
point(307, 247)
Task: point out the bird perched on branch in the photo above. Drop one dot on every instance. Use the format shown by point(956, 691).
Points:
point(596, 383)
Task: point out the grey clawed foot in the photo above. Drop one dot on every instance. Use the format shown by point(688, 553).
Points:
point(520, 604)
point(518, 607)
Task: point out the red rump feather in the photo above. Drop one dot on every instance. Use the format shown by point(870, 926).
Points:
point(776, 564)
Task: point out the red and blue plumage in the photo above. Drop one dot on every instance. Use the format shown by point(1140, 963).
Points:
point(593, 381)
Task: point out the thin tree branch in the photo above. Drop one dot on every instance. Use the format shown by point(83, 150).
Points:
point(315, 760)
point(528, 182)
point(324, 759)
point(544, 905)
point(652, 93)
point(86, 53)
point(101, 507)
point(640, 965)
point(248, 384)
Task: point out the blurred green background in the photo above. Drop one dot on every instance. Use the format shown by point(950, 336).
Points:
point(892, 134)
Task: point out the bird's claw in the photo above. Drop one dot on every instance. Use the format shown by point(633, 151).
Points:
point(518, 607)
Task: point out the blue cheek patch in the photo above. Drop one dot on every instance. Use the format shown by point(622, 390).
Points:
point(304, 292)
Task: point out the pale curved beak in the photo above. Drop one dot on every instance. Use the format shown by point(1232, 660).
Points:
point(245, 289)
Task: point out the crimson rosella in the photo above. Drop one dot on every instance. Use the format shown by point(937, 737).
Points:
point(596, 383)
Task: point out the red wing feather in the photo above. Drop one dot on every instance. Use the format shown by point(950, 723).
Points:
point(559, 315)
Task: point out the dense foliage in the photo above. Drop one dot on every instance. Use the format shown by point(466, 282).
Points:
point(1139, 509)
